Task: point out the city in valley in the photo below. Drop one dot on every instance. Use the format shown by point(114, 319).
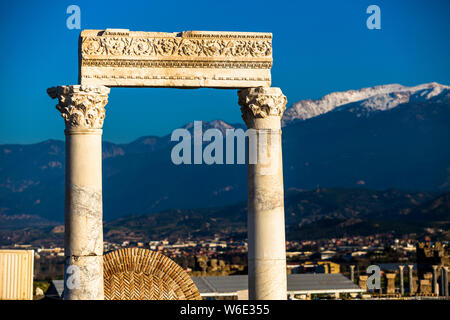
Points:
point(218, 256)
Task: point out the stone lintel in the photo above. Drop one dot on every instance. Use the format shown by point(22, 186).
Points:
point(81, 106)
point(190, 59)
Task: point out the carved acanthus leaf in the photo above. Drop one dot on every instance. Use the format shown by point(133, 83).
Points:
point(81, 106)
point(124, 46)
point(261, 102)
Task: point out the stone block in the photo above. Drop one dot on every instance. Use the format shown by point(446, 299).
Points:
point(190, 59)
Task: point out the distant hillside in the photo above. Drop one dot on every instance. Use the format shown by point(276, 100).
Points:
point(375, 138)
point(406, 147)
point(322, 213)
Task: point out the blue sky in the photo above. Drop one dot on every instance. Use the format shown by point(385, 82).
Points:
point(318, 47)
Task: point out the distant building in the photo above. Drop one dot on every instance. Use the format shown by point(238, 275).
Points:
point(316, 267)
point(16, 274)
point(359, 254)
point(327, 254)
point(330, 267)
point(429, 254)
point(297, 284)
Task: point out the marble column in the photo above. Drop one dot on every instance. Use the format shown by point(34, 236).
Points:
point(402, 287)
point(352, 273)
point(83, 109)
point(435, 283)
point(262, 108)
point(445, 289)
point(411, 279)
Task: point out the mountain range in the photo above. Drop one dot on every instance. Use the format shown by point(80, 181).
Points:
point(377, 138)
point(378, 98)
point(315, 214)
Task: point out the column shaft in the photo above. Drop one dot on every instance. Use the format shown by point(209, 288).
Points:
point(266, 235)
point(83, 111)
point(262, 109)
point(411, 280)
point(402, 287)
point(435, 283)
point(446, 293)
point(352, 273)
point(83, 215)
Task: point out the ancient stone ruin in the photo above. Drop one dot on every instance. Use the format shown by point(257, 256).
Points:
point(194, 59)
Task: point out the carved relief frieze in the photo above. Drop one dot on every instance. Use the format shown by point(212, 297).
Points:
point(119, 57)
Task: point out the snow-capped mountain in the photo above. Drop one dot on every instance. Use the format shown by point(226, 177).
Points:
point(405, 146)
point(378, 98)
point(221, 125)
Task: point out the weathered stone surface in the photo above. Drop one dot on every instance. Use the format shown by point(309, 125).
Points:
point(444, 276)
point(84, 221)
point(352, 273)
point(242, 294)
point(187, 60)
point(264, 198)
point(83, 278)
point(362, 282)
point(390, 283)
point(414, 285)
point(402, 283)
point(119, 57)
point(262, 109)
point(267, 279)
point(83, 109)
point(81, 106)
point(425, 286)
point(412, 280)
point(435, 285)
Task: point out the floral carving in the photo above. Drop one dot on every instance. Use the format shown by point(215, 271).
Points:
point(239, 48)
point(211, 47)
point(260, 49)
point(115, 46)
point(176, 46)
point(166, 47)
point(142, 47)
point(93, 46)
point(189, 48)
point(261, 102)
point(81, 106)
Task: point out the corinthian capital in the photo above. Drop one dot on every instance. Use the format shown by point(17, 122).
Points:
point(81, 106)
point(261, 103)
